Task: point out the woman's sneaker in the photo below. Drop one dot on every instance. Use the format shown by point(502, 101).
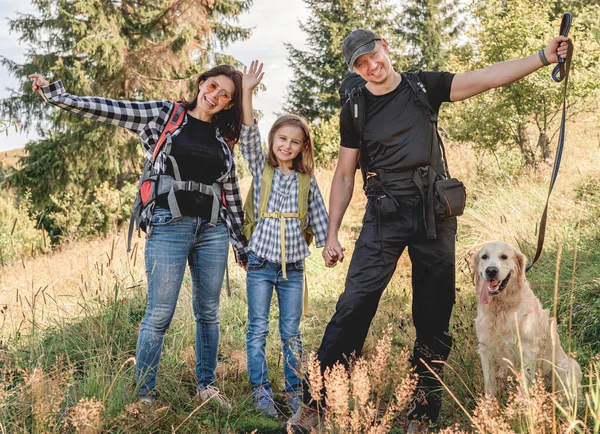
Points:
point(212, 394)
point(294, 400)
point(263, 400)
point(147, 400)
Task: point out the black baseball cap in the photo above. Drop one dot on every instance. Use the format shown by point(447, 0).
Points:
point(357, 43)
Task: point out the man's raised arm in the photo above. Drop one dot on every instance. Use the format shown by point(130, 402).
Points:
point(472, 83)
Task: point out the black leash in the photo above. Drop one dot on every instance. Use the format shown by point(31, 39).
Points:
point(560, 73)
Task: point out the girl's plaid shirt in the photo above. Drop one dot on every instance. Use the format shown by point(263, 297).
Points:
point(265, 241)
point(147, 119)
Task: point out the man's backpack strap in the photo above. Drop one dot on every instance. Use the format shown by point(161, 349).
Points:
point(356, 104)
point(422, 100)
point(418, 88)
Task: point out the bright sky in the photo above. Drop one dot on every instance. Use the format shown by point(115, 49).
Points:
point(273, 26)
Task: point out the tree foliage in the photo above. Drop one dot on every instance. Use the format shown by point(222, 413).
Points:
point(121, 49)
point(428, 27)
point(318, 69)
point(524, 115)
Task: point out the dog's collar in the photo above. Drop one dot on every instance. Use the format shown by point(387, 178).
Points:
point(502, 285)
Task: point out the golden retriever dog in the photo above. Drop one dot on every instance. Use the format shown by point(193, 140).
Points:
point(512, 327)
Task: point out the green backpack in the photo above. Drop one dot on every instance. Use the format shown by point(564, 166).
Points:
point(265, 192)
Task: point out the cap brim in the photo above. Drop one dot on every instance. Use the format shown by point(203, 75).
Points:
point(367, 48)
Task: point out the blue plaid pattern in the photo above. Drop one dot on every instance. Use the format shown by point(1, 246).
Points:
point(265, 241)
point(147, 119)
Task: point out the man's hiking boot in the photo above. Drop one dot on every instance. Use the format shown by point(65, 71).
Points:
point(303, 421)
point(417, 427)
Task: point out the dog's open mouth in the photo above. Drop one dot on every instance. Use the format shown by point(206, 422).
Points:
point(492, 287)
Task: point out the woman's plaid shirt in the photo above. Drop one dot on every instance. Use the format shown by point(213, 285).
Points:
point(147, 119)
point(265, 241)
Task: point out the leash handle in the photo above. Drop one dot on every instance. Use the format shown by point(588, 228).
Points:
point(564, 69)
point(558, 74)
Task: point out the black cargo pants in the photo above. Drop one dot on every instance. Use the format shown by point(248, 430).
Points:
point(387, 230)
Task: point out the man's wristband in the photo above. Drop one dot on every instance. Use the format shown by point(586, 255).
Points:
point(543, 58)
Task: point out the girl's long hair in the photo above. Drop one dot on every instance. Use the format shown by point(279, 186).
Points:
point(228, 122)
point(304, 161)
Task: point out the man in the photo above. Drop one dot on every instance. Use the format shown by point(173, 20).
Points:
point(396, 140)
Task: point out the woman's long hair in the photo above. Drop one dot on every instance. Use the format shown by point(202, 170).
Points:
point(228, 122)
point(304, 161)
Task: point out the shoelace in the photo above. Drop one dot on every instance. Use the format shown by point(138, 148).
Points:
point(212, 392)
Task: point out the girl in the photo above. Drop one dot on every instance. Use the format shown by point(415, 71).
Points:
point(271, 263)
point(199, 151)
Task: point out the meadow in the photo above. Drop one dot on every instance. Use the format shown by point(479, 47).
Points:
point(69, 322)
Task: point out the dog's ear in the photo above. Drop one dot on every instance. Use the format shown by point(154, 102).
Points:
point(475, 264)
point(521, 260)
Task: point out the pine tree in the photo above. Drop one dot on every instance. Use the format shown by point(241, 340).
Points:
point(121, 49)
point(319, 69)
point(428, 26)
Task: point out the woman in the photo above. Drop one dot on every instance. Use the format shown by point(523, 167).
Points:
point(199, 151)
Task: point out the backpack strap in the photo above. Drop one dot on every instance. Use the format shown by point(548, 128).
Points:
point(307, 230)
point(175, 120)
point(303, 193)
point(265, 189)
point(356, 103)
point(422, 100)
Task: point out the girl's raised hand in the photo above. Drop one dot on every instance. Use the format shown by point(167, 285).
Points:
point(38, 81)
point(252, 77)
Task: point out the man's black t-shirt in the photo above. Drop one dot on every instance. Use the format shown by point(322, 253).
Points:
point(397, 134)
point(199, 156)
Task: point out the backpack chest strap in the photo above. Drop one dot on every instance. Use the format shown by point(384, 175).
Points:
point(167, 184)
point(281, 216)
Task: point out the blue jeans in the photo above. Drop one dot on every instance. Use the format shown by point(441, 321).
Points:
point(170, 244)
point(262, 277)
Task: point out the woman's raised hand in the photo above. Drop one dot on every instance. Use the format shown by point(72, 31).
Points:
point(252, 77)
point(38, 81)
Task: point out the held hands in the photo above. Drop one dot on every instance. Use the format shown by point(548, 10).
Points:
point(38, 82)
point(557, 47)
point(333, 252)
point(253, 76)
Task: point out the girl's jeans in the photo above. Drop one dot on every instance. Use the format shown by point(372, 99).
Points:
point(262, 277)
point(170, 245)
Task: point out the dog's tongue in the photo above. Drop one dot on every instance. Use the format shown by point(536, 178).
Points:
point(486, 287)
point(483, 293)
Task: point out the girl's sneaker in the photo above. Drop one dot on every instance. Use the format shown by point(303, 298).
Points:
point(212, 394)
point(294, 400)
point(263, 400)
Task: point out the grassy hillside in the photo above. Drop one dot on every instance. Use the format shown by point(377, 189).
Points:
point(70, 319)
point(10, 158)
